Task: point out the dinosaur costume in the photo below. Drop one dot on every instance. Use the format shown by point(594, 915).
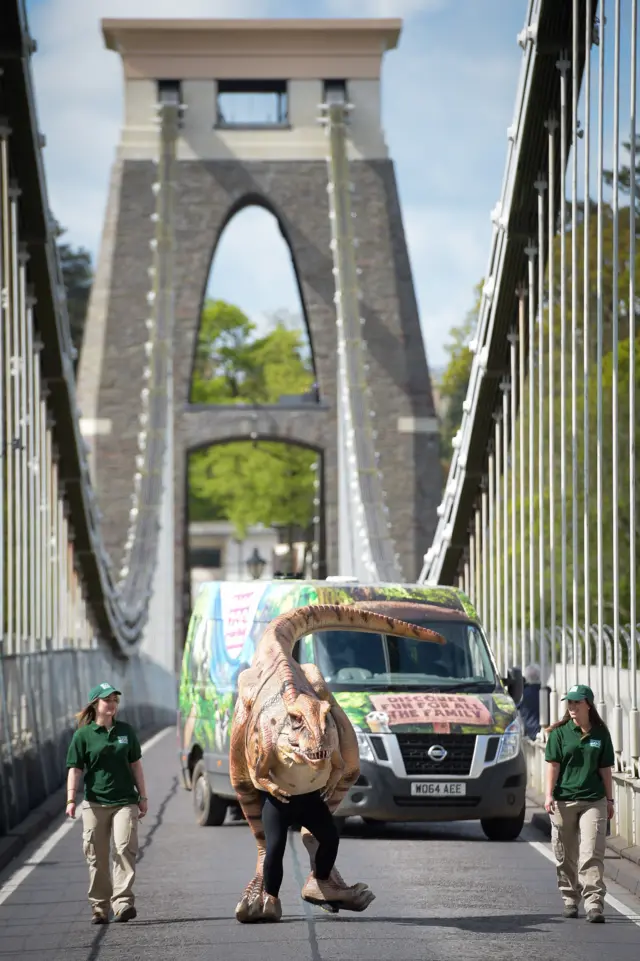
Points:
point(290, 736)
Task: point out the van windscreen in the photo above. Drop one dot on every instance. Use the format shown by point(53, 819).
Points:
point(363, 660)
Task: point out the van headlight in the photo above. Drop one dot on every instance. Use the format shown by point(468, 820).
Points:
point(364, 748)
point(510, 742)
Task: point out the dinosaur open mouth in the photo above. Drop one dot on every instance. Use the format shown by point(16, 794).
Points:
point(316, 755)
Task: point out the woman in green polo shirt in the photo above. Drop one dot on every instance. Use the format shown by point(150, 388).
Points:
point(579, 799)
point(107, 752)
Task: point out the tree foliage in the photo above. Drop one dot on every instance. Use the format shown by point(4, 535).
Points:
point(595, 299)
point(233, 366)
point(268, 482)
point(271, 483)
point(455, 379)
point(77, 274)
point(624, 176)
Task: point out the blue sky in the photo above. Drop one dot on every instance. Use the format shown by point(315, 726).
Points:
point(448, 99)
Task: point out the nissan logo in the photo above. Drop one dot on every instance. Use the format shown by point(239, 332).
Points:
point(437, 753)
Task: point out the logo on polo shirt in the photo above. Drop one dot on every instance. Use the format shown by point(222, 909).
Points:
point(123, 739)
point(595, 743)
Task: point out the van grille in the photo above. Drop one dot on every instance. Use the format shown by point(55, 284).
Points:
point(415, 747)
point(437, 802)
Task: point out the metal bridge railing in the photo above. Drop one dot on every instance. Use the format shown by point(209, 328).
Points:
point(39, 695)
point(57, 582)
point(367, 549)
point(539, 522)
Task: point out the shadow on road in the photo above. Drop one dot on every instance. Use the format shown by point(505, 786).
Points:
point(475, 924)
point(463, 831)
point(159, 818)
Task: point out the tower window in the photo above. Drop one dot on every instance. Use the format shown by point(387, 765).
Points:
point(170, 91)
point(335, 91)
point(252, 103)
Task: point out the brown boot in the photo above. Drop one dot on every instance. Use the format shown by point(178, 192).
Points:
point(332, 897)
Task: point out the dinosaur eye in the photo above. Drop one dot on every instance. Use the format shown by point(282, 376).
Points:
point(296, 720)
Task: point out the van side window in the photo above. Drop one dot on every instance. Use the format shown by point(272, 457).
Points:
point(304, 650)
point(474, 643)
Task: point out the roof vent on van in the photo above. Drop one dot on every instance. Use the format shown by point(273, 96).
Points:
point(342, 579)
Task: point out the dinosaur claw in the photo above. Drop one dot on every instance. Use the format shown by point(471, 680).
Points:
point(332, 897)
point(257, 907)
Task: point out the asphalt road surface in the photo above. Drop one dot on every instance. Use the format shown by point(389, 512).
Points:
point(444, 893)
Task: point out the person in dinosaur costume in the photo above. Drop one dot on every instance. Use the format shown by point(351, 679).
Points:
point(292, 744)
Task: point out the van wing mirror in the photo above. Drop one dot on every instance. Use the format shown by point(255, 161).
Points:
point(514, 682)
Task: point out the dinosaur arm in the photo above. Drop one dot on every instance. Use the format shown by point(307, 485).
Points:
point(263, 777)
point(346, 762)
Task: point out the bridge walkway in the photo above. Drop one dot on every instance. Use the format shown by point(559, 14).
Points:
point(443, 893)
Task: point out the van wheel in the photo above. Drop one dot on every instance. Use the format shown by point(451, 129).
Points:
point(503, 829)
point(210, 809)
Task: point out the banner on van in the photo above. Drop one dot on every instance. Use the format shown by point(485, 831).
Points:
point(432, 709)
point(238, 607)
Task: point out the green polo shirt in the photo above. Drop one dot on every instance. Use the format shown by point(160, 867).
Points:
point(105, 757)
point(580, 757)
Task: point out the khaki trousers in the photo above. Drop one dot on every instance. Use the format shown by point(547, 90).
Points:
point(100, 823)
point(578, 837)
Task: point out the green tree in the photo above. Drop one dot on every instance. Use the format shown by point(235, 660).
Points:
point(77, 274)
point(269, 482)
point(223, 364)
point(592, 297)
point(624, 176)
point(233, 366)
point(265, 482)
point(599, 511)
point(455, 379)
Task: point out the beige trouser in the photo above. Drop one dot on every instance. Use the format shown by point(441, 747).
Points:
point(578, 837)
point(99, 823)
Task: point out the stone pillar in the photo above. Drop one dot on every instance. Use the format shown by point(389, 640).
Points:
point(220, 171)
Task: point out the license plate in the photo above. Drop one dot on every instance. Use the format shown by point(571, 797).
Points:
point(438, 788)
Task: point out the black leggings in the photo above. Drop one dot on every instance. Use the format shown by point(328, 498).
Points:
point(311, 812)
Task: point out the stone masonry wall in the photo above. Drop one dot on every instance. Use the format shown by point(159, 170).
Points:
point(207, 193)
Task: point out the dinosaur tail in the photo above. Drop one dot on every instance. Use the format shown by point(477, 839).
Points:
point(287, 629)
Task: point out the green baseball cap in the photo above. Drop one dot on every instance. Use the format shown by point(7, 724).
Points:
point(102, 690)
point(579, 692)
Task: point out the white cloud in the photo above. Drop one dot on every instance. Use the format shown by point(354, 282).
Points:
point(384, 8)
point(252, 267)
point(447, 101)
point(442, 247)
point(79, 96)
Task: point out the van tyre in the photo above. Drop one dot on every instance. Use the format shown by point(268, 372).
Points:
point(210, 810)
point(503, 829)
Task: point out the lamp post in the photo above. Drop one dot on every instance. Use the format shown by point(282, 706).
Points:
point(256, 564)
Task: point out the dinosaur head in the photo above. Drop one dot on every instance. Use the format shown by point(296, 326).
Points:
point(308, 735)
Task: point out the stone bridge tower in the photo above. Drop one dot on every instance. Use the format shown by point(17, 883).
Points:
point(224, 164)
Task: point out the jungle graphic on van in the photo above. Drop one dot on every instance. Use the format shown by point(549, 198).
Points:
point(229, 618)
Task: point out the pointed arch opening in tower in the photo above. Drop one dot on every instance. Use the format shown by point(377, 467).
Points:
point(254, 511)
point(253, 345)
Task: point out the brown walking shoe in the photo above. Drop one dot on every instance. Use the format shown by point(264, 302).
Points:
point(99, 917)
point(595, 916)
point(127, 914)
